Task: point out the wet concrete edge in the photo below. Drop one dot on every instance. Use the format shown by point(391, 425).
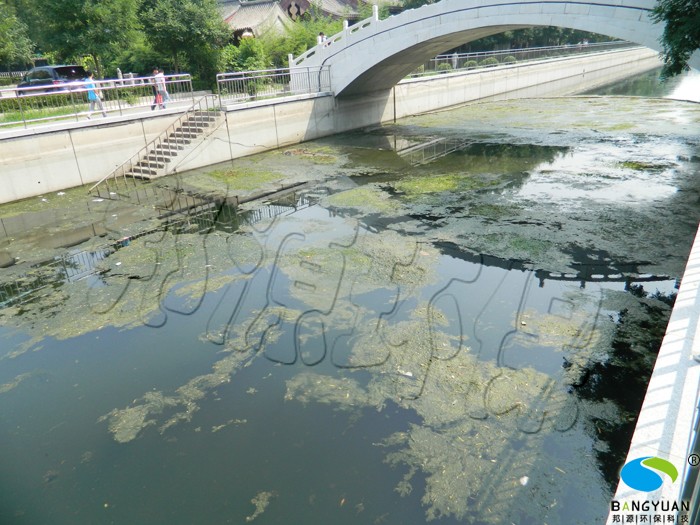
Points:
point(665, 427)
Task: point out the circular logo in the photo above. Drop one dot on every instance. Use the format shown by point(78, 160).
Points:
point(644, 474)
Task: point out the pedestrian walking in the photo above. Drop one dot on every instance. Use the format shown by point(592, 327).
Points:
point(160, 89)
point(94, 95)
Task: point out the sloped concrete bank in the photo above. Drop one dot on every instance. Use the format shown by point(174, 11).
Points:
point(41, 160)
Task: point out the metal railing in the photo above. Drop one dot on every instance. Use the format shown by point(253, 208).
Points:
point(247, 86)
point(69, 102)
point(349, 35)
point(690, 491)
point(461, 61)
point(152, 160)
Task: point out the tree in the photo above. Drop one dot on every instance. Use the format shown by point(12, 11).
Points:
point(681, 36)
point(190, 32)
point(413, 4)
point(15, 44)
point(97, 28)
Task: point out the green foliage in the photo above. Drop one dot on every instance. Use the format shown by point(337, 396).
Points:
point(471, 64)
point(12, 108)
point(364, 11)
point(443, 67)
point(74, 28)
point(192, 33)
point(681, 36)
point(530, 37)
point(15, 45)
point(413, 4)
point(300, 37)
point(489, 62)
point(139, 58)
point(250, 55)
point(510, 59)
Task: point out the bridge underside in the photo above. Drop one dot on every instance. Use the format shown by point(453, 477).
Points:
point(390, 71)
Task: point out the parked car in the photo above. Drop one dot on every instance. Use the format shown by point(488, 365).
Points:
point(55, 78)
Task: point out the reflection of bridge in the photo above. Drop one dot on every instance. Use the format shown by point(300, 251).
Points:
point(375, 54)
point(583, 272)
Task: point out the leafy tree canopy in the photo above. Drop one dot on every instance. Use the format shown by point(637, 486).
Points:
point(75, 28)
point(188, 31)
point(681, 36)
point(15, 46)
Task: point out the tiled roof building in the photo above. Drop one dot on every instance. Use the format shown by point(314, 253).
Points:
point(261, 16)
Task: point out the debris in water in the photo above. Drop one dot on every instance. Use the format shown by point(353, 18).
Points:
point(261, 501)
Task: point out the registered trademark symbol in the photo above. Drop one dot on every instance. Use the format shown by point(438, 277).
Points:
point(694, 460)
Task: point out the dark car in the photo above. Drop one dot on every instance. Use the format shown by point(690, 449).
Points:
point(55, 78)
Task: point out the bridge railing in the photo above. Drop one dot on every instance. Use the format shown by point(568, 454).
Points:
point(246, 86)
point(346, 37)
point(20, 107)
point(461, 61)
point(690, 491)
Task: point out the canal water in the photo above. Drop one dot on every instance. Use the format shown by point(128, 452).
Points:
point(449, 318)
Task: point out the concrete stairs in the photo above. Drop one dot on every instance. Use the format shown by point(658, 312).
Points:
point(160, 157)
point(185, 136)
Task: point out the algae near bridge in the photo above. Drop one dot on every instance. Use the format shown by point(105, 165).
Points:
point(453, 327)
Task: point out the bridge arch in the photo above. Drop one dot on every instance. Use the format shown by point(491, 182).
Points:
point(375, 54)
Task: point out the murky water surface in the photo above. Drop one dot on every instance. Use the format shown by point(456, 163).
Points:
point(452, 319)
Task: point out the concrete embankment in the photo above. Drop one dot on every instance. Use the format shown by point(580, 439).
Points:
point(41, 160)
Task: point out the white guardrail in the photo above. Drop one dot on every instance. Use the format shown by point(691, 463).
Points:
point(69, 102)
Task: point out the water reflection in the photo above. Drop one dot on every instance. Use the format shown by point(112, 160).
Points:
point(362, 319)
point(682, 87)
point(456, 326)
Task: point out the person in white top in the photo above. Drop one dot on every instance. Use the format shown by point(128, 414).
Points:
point(160, 89)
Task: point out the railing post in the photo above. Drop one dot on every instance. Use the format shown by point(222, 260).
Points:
point(21, 110)
point(375, 12)
point(75, 108)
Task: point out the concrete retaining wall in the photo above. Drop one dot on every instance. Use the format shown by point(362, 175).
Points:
point(48, 159)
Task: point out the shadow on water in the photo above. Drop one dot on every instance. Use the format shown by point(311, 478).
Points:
point(426, 334)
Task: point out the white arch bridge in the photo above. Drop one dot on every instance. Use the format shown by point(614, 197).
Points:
point(375, 54)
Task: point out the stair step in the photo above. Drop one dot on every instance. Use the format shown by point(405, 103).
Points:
point(202, 116)
point(150, 164)
point(182, 134)
point(142, 170)
point(169, 147)
point(189, 128)
point(156, 156)
point(177, 140)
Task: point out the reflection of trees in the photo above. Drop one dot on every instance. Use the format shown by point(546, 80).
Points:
point(623, 378)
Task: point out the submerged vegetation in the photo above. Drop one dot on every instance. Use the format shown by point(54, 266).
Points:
point(469, 330)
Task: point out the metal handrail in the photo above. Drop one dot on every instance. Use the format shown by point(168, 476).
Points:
point(690, 490)
point(465, 61)
point(246, 86)
point(127, 167)
point(40, 104)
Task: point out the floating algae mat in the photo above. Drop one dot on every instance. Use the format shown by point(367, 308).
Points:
point(453, 321)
